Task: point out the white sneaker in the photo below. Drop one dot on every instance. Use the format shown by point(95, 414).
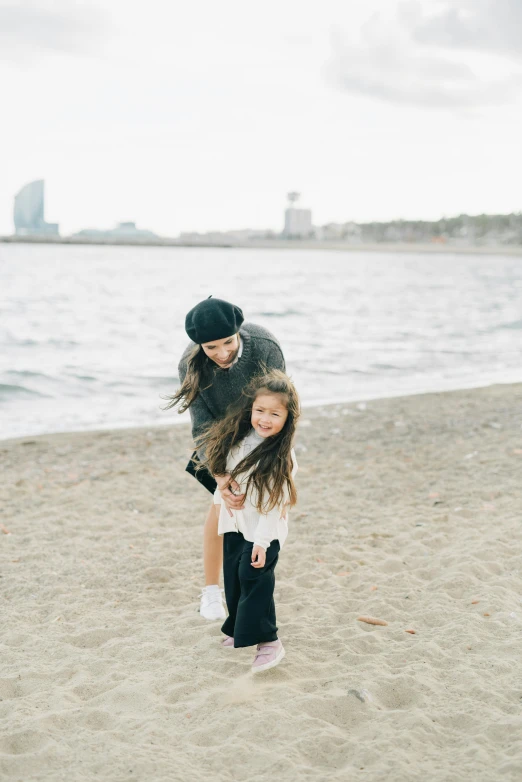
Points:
point(212, 603)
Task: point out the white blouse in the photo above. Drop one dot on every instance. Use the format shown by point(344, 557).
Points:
point(258, 528)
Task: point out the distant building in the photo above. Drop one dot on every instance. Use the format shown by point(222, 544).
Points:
point(236, 238)
point(342, 232)
point(29, 212)
point(126, 231)
point(298, 222)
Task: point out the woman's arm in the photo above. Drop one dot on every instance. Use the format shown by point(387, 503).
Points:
point(230, 493)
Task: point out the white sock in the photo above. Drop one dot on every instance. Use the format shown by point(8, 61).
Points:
point(211, 588)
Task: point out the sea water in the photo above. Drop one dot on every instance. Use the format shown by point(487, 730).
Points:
point(90, 337)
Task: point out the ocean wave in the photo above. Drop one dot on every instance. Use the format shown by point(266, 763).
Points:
point(326, 370)
point(61, 343)
point(76, 376)
point(515, 325)
point(10, 340)
point(283, 314)
point(9, 390)
point(15, 373)
point(155, 379)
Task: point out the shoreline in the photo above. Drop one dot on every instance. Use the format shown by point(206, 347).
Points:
point(282, 244)
point(185, 421)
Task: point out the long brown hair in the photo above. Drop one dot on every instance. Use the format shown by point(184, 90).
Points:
point(197, 363)
point(269, 466)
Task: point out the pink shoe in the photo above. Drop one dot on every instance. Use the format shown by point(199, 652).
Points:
point(228, 641)
point(268, 655)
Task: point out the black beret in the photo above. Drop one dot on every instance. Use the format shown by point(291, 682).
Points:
point(213, 319)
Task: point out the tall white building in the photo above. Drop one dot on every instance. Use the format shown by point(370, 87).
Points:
point(298, 222)
point(29, 205)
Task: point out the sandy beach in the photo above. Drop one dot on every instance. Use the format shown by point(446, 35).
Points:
point(409, 512)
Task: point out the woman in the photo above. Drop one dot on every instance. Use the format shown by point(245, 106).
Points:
point(224, 355)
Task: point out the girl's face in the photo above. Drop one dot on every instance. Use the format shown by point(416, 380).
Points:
point(269, 413)
point(222, 351)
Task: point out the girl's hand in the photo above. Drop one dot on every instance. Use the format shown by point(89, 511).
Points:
point(232, 501)
point(258, 556)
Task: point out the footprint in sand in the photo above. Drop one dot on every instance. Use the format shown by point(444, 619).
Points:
point(23, 743)
point(92, 638)
point(157, 575)
point(10, 688)
point(19, 686)
point(401, 692)
point(97, 720)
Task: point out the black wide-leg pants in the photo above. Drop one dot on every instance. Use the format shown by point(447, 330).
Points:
point(249, 592)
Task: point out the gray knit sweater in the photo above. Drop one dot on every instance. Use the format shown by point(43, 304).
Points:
point(226, 385)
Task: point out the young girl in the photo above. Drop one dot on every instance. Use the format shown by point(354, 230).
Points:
point(253, 445)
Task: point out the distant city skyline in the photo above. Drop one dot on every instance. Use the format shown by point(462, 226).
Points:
point(376, 111)
point(458, 231)
point(29, 207)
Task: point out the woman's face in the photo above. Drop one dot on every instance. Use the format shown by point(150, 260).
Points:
point(222, 351)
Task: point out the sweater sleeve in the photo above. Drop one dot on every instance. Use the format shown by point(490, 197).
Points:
point(200, 415)
point(275, 358)
point(267, 528)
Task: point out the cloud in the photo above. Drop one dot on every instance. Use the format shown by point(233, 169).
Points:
point(29, 28)
point(420, 56)
point(476, 25)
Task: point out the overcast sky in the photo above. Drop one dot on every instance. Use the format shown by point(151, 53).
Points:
point(202, 115)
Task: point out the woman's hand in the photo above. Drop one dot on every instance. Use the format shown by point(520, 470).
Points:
point(227, 490)
point(258, 556)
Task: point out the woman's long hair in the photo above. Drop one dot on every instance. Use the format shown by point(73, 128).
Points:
point(269, 466)
point(197, 362)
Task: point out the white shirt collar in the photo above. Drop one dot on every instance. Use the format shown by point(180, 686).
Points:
point(239, 352)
